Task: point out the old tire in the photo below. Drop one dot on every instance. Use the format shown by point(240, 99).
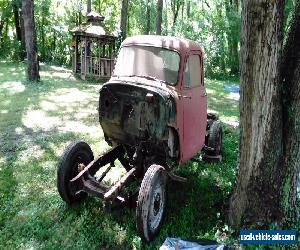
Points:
point(77, 152)
point(151, 203)
point(215, 138)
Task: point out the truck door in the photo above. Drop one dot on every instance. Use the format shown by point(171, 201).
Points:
point(194, 100)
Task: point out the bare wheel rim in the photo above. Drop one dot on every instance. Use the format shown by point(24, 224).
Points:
point(157, 204)
point(80, 158)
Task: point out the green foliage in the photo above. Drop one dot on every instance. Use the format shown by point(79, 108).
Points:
point(38, 120)
point(213, 24)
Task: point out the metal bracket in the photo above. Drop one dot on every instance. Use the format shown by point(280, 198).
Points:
point(101, 161)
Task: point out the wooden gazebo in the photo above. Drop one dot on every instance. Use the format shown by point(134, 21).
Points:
point(93, 50)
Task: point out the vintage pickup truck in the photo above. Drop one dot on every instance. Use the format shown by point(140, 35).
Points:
point(153, 112)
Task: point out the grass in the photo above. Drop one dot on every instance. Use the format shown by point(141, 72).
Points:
point(38, 120)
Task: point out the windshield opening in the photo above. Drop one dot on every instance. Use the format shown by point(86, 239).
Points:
point(147, 61)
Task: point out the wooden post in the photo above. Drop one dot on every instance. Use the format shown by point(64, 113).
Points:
point(110, 57)
point(99, 61)
point(76, 55)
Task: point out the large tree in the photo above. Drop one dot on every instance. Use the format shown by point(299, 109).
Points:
point(30, 41)
point(269, 160)
point(159, 7)
point(232, 14)
point(89, 6)
point(124, 19)
point(148, 17)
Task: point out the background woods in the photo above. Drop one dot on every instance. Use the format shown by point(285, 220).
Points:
point(214, 24)
point(242, 40)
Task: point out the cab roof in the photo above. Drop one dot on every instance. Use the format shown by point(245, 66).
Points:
point(174, 43)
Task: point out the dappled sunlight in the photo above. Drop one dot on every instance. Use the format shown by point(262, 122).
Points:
point(113, 175)
point(19, 130)
point(234, 96)
point(40, 120)
point(48, 106)
point(68, 95)
point(212, 111)
point(231, 123)
point(57, 68)
point(210, 91)
point(13, 87)
point(224, 104)
point(62, 75)
point(36, 126)
point(2, 162)
point(32, 151)
point(78, 127)
point(5, 102)
point(37, 119)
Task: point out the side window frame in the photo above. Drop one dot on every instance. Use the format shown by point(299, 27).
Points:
point(201, 83)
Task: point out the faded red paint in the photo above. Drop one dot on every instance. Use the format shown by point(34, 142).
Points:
point(191, 103)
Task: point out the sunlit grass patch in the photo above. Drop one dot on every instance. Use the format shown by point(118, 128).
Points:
point(37, 121)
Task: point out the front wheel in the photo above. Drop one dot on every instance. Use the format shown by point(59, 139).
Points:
point(151, 203)
point(77, 152)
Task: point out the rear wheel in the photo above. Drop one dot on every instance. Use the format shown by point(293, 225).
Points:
point(215, 138)
point(151, 203)
point(77, 152)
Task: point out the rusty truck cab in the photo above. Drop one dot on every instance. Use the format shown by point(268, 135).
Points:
point(153, 112)
point(151, 67)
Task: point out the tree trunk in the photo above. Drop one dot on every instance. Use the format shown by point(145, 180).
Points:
point(290, 77)
point(232, 9)
point(159, 7)
point(30, 41)
point(23, 52)
point(2, 22)
point(1, 33)
point(148, 18)
point(188, 8)
point(269, 157)
point(260, 136)
point(89, 6)
point(17, 21)
point(124, 14)
point(43, 47)
point(175, 4)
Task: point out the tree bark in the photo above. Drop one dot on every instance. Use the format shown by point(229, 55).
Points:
point(17, 21)
point(175, 5)
point(159, 8)
point(260, 136)
point(188, 8)
point(89, 6)
point(124, 14)
point(269, 157)
point(30, 41)
point(290, 77)
point(148, 18)
point(232, 9)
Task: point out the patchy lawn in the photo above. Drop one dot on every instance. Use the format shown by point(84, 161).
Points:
point(38, 120)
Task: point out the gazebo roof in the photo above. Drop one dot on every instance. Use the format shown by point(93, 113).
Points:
point(89, 29)
point(92, 28)
point(94, 16)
